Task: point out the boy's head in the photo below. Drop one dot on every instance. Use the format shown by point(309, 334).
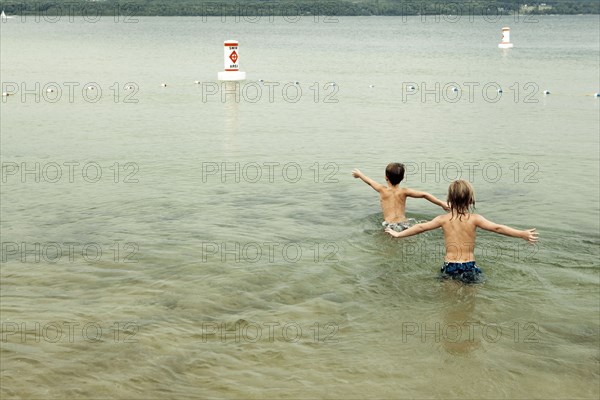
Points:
point(394, 172)
point(461, 197)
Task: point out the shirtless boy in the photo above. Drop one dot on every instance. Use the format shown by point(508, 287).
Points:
point(459, 226)
point(393, 197)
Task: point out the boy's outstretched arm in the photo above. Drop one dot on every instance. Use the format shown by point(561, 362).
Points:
point(419, 195)
point(357, 174)
point(415, 229)
point(529, 235)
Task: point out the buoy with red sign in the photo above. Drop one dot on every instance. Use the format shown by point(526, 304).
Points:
point(232, 63)
point(505, 43)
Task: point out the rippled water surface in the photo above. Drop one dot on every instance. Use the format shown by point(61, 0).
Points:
point(164, 243)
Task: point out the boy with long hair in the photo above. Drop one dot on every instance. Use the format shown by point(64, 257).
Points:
point(459, 227)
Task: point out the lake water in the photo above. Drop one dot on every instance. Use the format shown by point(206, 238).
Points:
point(170, 242)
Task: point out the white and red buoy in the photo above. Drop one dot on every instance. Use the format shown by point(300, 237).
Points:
point(231, 62)
point(505, 43)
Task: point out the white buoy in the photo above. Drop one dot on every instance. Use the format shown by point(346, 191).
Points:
point(231, 63)
point(129, 87)
point(546, 92)
point(163, 85)
point(197, 82)
point(371, 85)
point(411, 87)
point(49, 90)
point(261, 80)
point(5, 94)
point(596, 94)
point(90, 88)
point(505, 43)
point(499, 90)
point(454, 89)
point(296, 83)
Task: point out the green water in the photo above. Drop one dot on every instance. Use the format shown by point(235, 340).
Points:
point(212, 248)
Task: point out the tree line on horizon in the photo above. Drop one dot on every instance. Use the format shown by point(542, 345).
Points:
point(297, 7)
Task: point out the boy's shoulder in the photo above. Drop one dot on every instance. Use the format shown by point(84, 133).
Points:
point(395, 190)
point(398, 188)
point(443, 217)
point(408, 190)
point(468, 217)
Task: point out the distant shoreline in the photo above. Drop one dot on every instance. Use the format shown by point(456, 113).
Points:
point(289, 16)
point(300, 8)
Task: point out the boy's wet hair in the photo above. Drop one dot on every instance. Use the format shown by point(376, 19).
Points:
point(461, 198)
point(395, 173)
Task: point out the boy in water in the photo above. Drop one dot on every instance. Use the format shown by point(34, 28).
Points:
point(393, 197)
point(459, 227)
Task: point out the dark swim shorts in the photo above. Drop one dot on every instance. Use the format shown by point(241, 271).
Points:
point(467, 272)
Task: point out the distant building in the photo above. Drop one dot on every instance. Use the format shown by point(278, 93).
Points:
point(525, 8)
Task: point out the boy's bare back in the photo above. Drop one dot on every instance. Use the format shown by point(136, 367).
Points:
point(459, 236)
point(393, 202)
point(460, 233)
point(392, 197)
point(459, 226)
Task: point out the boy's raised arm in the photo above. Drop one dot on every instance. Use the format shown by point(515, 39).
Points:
point(529, 235)
point(419, 195)
point(416, 229)
point(357, 174)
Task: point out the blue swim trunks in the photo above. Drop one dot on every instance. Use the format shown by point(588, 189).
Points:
point(467, 271)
